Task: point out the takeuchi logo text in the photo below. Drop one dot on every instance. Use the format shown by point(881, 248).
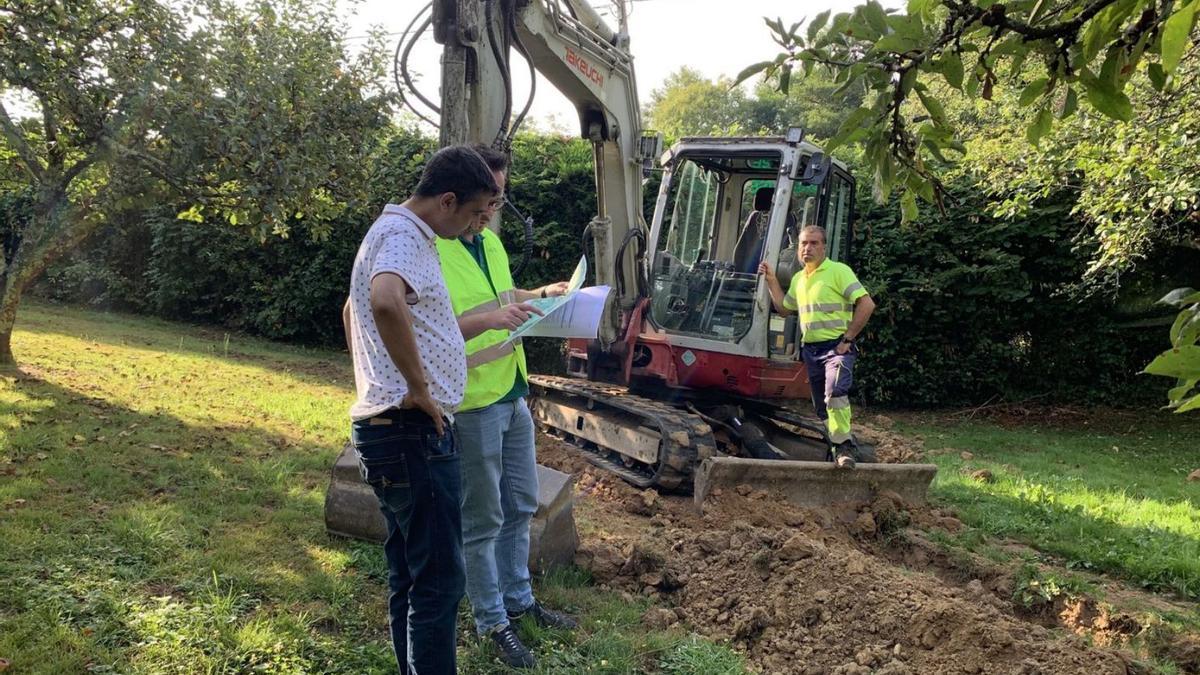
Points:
point(581, 64)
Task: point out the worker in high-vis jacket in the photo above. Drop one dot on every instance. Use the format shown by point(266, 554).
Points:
point(495, 432)
point(834, 308)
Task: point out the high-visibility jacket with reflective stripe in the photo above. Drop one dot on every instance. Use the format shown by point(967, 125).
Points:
point(492, 366)
point(825, 300)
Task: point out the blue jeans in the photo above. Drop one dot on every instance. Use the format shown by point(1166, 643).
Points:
point(499, 499)
point(417, 479)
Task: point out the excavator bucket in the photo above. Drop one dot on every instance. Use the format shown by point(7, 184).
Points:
point(814, 483)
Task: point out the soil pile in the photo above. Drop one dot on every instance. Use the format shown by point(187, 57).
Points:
point(824, 591)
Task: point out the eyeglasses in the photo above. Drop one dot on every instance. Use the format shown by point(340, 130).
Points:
point(498, 202)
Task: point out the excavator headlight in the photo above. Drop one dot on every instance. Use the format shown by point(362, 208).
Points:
point(794, 135)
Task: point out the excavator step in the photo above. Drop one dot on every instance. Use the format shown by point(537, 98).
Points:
point(815, 483)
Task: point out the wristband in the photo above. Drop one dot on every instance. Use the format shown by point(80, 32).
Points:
point(543, 292)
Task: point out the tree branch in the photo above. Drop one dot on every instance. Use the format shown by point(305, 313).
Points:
point(80, 166)
point(12, 133)
point(1062, 29)
point(54, 153)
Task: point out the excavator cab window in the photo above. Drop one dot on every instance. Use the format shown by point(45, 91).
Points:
point(705, 277)
point(837, 217)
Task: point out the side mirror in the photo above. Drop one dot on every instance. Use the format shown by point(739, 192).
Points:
point(816, 169)
point(650, 146)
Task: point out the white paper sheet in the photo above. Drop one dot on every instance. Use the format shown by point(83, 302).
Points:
point(577, 318)
point(549, 305)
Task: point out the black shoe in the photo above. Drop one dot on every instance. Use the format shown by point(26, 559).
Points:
point(546, 618)
point(513, 653)
point(844, 455)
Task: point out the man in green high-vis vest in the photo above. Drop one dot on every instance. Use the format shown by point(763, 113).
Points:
point(495, 431)
point(834, 308)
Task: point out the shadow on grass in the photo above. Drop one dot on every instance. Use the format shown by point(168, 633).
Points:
point(136, 542)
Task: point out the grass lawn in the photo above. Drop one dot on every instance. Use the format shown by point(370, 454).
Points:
point(161, 495)
point(1104, 493)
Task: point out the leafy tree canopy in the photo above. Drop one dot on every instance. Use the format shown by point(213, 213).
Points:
point(252, 111)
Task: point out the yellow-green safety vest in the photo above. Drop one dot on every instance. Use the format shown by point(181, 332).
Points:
point(492, 365)
point(824, 299)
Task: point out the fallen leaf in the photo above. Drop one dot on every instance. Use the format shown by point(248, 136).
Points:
point(154, 446)
point(78, 438)
point(4, 664)
point(18, 502)
point(42, 455)
point(1194, 476)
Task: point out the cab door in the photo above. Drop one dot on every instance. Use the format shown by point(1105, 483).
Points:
point(838, 216)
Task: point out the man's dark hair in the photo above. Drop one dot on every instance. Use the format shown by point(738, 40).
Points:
point(458, 169)
point(496, 160)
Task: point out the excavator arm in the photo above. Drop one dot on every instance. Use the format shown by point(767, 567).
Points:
point(589, 63)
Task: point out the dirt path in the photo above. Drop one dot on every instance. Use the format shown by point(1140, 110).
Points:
point(823, 591)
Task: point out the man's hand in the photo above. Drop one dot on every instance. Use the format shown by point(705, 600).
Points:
point(842, 348)
point(765, 270)
point(556, 289)
point(510, 317)
point(421, 400)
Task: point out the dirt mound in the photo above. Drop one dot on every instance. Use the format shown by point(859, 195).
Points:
point(890, 447)
point(813, 590)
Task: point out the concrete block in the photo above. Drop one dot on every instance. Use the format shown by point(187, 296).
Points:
point(552, 535)
point(815, 483)
point(351, 510)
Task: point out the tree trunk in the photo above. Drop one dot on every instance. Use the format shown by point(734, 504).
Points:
point(6, 355)
point(8, 316)
point(31, 259)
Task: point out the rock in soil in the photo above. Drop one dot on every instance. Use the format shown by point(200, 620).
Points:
point(982, 476)
point(659, 618)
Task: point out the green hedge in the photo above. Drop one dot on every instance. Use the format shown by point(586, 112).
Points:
point(971, 308)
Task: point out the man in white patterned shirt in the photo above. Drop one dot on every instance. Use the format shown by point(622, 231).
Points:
point(410, 371)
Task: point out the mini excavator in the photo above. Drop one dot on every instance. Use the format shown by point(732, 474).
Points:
point(693, 381)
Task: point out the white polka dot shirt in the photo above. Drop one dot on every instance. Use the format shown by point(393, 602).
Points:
point(401, 243)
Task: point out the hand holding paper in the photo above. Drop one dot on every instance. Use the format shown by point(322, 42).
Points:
point(576, 313)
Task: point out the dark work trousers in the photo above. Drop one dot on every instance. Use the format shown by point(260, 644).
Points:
point(830, 376)
point(417, 479)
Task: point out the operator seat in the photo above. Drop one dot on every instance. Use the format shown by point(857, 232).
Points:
point(747, 253)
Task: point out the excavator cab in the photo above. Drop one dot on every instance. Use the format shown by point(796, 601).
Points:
point(725, 206)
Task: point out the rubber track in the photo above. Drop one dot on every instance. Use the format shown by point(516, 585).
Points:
point(685, 437)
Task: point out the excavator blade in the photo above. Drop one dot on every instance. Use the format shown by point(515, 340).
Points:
point(814, 483)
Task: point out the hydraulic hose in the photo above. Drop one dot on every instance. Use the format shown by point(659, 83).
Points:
point(527, 247)
point(502, 63)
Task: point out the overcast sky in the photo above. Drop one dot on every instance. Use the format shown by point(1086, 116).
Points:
point(716, 37)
